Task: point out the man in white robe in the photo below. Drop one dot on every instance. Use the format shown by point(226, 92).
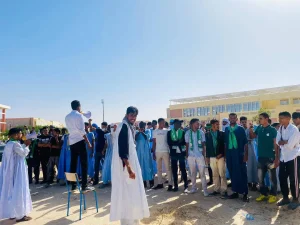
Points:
point(128, 198)
point(15, 199)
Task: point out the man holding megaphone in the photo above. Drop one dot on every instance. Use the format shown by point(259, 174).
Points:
point(78, 141)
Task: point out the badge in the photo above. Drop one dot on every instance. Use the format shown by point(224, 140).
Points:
point(268, 134)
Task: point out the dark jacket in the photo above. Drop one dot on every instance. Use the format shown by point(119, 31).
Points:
point(173, 144)
point(220, 149)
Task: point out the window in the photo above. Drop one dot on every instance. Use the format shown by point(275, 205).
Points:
point(257, 106)
point(203, 111)
point(296, 101)
point(218, 109)
point(284, 102)
point(245, 107)
point(198, 112)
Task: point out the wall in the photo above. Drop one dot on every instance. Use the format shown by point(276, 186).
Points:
point(14, 122)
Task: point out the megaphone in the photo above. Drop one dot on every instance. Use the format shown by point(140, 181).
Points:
point(87, 114)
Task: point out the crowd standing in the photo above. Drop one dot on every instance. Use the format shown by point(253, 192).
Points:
point(243, 156)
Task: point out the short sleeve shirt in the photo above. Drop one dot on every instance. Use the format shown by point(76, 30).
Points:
point(55, 151)
point(265, 139)
point(161, 137)
point(196, 152)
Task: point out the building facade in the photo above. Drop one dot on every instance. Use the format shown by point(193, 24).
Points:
point(245, 103)
point(3, 109)
point(32, 122)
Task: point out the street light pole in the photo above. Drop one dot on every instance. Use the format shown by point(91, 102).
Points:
point(102, 101)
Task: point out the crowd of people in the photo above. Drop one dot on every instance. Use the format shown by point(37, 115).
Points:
point(243, 156)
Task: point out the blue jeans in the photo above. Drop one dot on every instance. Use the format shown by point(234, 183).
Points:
point(265, 166)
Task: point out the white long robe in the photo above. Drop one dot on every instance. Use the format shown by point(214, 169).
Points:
point(128, 197)
point(15, 199)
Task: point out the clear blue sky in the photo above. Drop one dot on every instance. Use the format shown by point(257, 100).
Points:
point(141, 53)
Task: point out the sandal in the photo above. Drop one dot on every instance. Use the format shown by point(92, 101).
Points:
point(24, 219)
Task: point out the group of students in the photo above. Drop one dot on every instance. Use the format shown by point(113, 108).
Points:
point(243, 153)
point(264, 157)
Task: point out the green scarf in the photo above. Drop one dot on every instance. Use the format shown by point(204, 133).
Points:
point(232, 138)
point(199, 138)
point(214, 135)
point(174, 135)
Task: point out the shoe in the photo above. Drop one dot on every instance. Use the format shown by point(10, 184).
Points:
point(166, 182)
point(88, 189)
point(254, 188)
point(186, 191)
point(233, 196)
point(74, 187)
point(170, 188)
point(47, 185)
point(159, 186)
point(262, 198)
point(37, 182)
point(192, 191)
point(272, 199)
point(246, 198)
point(189, 181)
point(206, 193)
point(210, 183)
point(95, 183)
point(294, 205)
point(175, 189)
point(151, 182)
point(224, 195)
point(229, 185)
point(214, 193)
point(44, 182)
point(284, 201)
point(24, 219)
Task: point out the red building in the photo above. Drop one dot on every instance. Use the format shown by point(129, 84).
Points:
point(3, 109)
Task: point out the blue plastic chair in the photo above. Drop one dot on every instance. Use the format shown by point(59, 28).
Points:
point(73, 177)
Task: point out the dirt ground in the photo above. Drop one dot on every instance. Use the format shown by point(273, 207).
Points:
point(50, 208)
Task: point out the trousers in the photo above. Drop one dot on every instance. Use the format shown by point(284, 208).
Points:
point(219, 177)
point(163, 157)
point(53, 161)
point(263, 168)
point(289, 170)
point(199, 162)
point(79, 149)
point(174, 165)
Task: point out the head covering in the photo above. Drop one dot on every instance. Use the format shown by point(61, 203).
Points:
point(95, 125)
point(227, 125)
point(225, 120)
point(172, 121)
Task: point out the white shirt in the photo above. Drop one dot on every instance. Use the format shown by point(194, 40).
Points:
point(290, 150)
point(75, 126)
point(196, 152)
point(161, 140)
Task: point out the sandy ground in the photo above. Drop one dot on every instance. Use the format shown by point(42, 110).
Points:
point(50, 208)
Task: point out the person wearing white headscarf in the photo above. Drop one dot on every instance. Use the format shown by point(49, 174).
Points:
point(225, 123)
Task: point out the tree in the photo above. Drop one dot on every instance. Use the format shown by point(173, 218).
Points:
point(261, 110)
